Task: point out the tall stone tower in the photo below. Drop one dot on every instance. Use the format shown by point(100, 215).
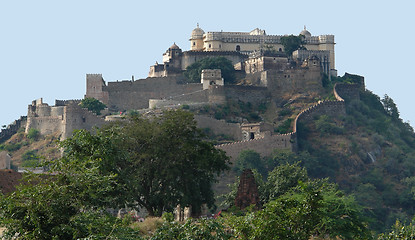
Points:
point(196, 39)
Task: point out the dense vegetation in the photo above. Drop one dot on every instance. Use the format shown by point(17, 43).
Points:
point(292, 43)
point(352, 178)
point(194, 71)
point(93, 105)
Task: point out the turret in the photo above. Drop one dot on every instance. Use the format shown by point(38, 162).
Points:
point(196, 39)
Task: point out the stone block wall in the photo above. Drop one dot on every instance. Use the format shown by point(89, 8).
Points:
point(128, 95)
point(264, 146)
point(292, 81)
point(5, 160)
point(219, 126)
point(246, 93)
point(76, 117)
point(347, 91)
point(94, 87)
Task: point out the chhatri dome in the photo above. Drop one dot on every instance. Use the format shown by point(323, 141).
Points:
point(174, 46)
point(197, 33)
point(305, 33)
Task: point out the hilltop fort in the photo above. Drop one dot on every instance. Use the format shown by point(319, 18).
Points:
point(265, 74)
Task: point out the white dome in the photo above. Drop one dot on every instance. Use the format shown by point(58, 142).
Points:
point(305, 33)
point(197, 33)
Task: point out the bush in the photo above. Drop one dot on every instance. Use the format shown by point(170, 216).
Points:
point(11, 147)
point(33, 134)
point(326, 126)
point(30, 159)
point(285, 126)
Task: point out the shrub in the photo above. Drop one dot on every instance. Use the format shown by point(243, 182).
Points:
point(33, 134)
point(11, 147)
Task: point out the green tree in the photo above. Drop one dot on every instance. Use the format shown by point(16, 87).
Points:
point(169, 163)
point(390, 107)
point(67, 205)
point(312, 208)
point(194, 71)
point(282, 179)
point(292, 43)
point(93, 105)
point(249, 159)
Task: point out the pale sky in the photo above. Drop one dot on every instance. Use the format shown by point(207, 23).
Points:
point(47, 47)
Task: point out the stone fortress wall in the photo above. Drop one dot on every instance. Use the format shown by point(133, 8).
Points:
point(61, 119)
point(219, 126)
point(266, 145)
point(12, 128)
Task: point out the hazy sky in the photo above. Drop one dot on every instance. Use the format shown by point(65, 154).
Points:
point(47, 47)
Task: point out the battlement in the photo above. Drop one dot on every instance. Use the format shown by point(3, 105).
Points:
point(12, 128)
point(218, 53)
point(67, 102)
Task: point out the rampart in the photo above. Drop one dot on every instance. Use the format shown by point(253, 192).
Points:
point(128, 95)
point(251, 94)
point(67, 102)
point(219, 126)
point(61, 119)
point(264, 146)
point(76, 117)
point(12, 128)
point(347, 91)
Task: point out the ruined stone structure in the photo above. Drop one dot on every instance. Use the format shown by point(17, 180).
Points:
point(61, 119)
point(247, 191)
point(5, 160)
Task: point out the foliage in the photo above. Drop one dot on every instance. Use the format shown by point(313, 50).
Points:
point(194, 71)
point(209, 229)
point(149, 225)
point(228, 199)
point(93, 105)
point(233, 110)
point(282, 179)
point(390, 107)
point(10, 147)
point(399, 231)
point(249, 159)
point(168, 162)
point(292, 43)
point(68, 205)
point(326, 125)
point(33, 134)
point(313, 208)
point(285, 127)
point(30, 159)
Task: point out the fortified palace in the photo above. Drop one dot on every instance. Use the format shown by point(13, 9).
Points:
point(270, 74)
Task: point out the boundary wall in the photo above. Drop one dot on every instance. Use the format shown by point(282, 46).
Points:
point(12, 128)
point(266, 145)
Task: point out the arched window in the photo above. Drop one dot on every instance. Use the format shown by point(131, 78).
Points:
point(238, 48)
point(280, 50)
point(194, 43)
point(210, 45)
